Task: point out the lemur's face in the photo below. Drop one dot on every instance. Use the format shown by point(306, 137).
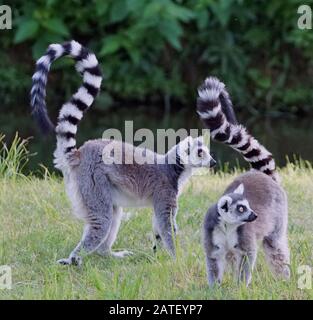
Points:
point(194, 153)
point(234, 208)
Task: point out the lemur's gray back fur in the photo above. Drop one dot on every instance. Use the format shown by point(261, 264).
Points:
point(71, 112)
point(212, 102)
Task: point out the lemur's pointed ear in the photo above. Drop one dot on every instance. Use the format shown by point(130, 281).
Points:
point(224, 203)
point(240, 189)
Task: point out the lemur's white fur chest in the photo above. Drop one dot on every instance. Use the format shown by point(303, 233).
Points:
point(225, 238)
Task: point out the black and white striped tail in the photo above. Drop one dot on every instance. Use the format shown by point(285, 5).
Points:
point(72, 111)
point(210, 109)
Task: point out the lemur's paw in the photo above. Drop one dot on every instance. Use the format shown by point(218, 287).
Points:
point(121, 254)
point(75, 261)
point(285, 272)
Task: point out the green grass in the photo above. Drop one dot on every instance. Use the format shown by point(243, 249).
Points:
point(13, 158)
point(37, 228)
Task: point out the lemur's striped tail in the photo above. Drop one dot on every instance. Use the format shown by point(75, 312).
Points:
point(71, 112)
point(210, 110)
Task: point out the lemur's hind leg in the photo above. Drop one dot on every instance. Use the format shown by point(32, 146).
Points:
point(96, 196)
point(164, 207)
point(106, 246)
point(277, 255)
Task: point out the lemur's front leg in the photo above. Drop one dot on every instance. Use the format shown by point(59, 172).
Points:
point(248, 246)
point(156, 232)
point(215, 269)
point(247, 266)
point(163, 220)
point(175, 210)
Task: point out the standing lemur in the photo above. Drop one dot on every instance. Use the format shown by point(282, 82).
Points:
point(254, 205)
point(97, 188)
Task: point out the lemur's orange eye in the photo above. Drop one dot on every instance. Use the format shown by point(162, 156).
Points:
point(241, 209)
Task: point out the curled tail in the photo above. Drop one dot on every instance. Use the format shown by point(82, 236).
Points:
point(210, 103)
point(72, 111)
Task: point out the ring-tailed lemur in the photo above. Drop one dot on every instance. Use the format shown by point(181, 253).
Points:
point(230, 232)
point(97, 188)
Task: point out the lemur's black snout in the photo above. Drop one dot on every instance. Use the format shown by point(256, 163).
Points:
point(251, 217)
point(212, 163)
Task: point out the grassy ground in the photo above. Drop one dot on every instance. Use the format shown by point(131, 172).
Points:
point(37, 228)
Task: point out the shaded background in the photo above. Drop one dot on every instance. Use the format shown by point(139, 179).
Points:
point(154, 54)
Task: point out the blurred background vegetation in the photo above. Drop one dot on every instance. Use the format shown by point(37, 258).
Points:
point(154, 54)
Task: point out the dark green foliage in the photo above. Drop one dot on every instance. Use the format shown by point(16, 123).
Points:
point(160, 50)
